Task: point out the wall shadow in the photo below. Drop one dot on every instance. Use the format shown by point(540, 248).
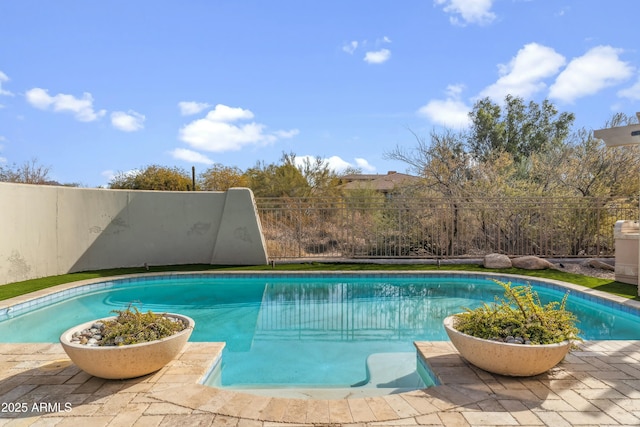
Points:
point(56, 387)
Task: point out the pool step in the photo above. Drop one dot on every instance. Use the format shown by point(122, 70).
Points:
point(393, 370)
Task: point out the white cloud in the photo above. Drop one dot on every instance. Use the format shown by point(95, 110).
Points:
point(632, 92)
point(454, 91)
point(130, 121)
point(350, 47)
point(284, 134)
point(523, 75)
point(471, 11)
point(81, 108)
point(188, 108)
point(190, 156)
point(448, 112)
point(378, 56)
point(223, 113)
point(336, 163)
point(364, 165)
point(597, 69)
point(39, 98)
point(4, 79)
point(217, 131)
point(371, 56)
point(339, 165)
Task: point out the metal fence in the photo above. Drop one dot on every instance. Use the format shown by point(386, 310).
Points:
point(403, 227)
point(347, 312)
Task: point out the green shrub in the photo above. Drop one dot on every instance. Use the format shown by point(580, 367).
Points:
point(132, 327)
point(519, 317)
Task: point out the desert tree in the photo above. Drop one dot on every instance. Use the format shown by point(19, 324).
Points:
point(277, 180)
point(153, 177)
point(221, 178)
point(441, 160)
point(29, 172)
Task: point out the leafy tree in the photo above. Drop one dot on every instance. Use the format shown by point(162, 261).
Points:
point(153, 177)
point(221, 178)
point(507, 150)
point(516, 128)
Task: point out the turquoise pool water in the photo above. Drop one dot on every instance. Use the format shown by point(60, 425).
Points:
point(304, 331)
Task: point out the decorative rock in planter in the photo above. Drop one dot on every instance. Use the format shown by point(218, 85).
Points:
point(517, 360)
point(125, 361)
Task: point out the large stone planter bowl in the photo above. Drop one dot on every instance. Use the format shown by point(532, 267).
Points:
point(516, 360)
point(127, 361)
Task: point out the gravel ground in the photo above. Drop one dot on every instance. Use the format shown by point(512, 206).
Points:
point(586, 270)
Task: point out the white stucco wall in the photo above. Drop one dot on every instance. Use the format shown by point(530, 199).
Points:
point(627, 234)
point(46, 230)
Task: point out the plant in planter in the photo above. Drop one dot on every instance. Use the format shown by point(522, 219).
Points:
point(516, 335)
point(133, 327)
point(128, 345)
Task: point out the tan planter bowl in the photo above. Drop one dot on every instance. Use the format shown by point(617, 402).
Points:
point(516, 360)
point(127, 361)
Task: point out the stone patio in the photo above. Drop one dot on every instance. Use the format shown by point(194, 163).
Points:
point(598, 385)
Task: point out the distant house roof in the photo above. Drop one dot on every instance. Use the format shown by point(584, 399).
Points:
point(382, 183)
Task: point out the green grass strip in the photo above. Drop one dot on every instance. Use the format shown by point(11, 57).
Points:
point(617, 288)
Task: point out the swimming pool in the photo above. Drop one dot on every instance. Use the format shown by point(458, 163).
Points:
point(305, 330)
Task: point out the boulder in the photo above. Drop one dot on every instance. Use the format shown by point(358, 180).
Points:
point(531, 262)
point(594, 263)
point(496, 261)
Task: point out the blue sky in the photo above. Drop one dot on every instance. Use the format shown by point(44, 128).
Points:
point(95, 88)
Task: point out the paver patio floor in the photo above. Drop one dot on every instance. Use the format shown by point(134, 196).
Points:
point(598, 385)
